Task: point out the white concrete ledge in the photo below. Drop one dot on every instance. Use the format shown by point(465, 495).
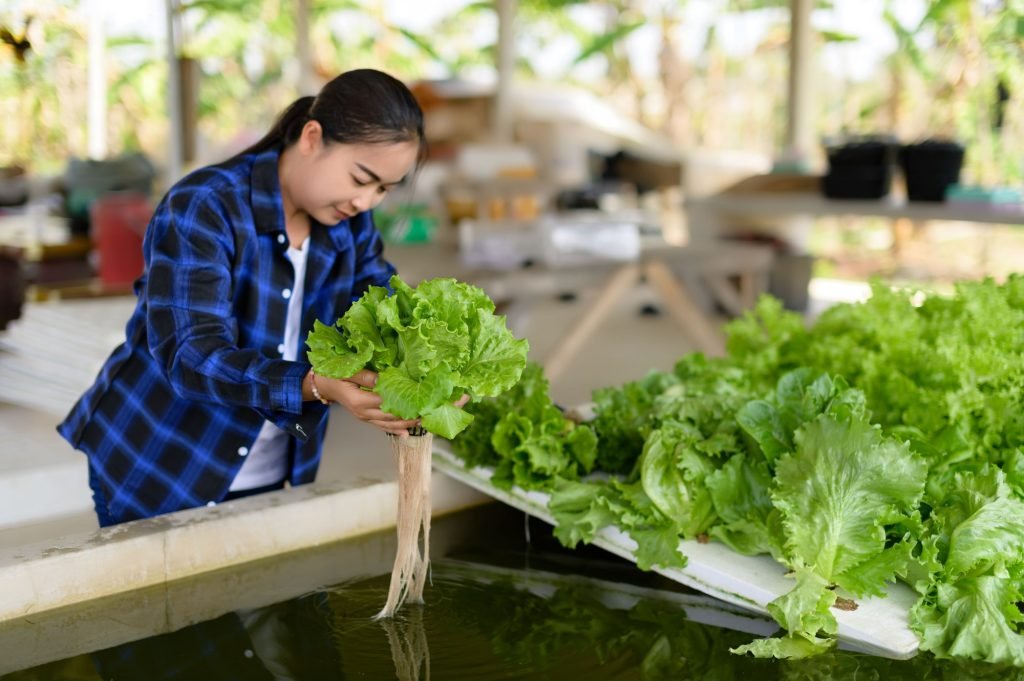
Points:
point(132, 615)
point(144, 553)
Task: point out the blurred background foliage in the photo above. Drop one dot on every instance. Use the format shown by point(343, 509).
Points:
point(957, 72)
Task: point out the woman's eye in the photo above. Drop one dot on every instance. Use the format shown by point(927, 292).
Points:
point(359, 183)
point(382, 189)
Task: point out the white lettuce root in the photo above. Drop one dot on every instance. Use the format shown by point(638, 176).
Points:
point(410, 572)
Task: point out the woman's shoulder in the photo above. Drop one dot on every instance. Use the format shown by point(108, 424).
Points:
point(238, 195)
point(223, 189)
point(231, 175)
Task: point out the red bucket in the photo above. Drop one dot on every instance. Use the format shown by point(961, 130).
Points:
point(119, 222)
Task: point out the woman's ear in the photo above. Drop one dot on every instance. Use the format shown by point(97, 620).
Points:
point(311, 138)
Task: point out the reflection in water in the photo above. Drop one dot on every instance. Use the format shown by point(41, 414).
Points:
point(488, 621)
point(409, 648)
point(288, 641)
point(544, 619)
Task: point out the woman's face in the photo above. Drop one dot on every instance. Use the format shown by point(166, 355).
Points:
point(332, 182)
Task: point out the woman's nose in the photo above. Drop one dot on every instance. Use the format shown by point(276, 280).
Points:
point(365, 199)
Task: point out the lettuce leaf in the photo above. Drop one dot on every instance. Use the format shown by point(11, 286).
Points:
point(748, 521)
point(580, 509)
point(804, 614)
point(972, 617)
point(839, 488)
point(623, 418)
point(672, 473)
point(525, 437)
point(969, 607)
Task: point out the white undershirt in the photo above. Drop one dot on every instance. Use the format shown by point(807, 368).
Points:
point(267, 461)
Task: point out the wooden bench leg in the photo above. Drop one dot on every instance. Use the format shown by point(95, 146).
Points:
point(621, 281)
point(749, 286)
point(725, 293)
point(681, 305)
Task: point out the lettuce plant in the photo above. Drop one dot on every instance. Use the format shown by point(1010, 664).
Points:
point(429, 344)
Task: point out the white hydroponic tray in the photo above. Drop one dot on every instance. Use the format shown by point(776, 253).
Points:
point(878, 626)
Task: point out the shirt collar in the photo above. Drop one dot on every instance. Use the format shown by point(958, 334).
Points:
point(267, 208)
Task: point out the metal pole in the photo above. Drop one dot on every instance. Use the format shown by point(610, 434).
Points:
point(174, 137)
point(800, 107)
point(97, 109)
point(307, 79)
point(502, 122)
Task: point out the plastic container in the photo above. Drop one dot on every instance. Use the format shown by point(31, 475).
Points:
point(930, 167)
point(119, 223)
point(860, 169)
point(499, 245)
point(86, 180)
point(408, 224)
point(572, 239)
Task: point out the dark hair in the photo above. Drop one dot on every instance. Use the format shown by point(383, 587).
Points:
point(363, 106)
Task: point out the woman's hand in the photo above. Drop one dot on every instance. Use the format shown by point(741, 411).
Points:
point(363, 404)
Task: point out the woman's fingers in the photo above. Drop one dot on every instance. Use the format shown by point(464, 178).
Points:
point(367, 403)
point(391, 424)
point(462, 401)
point(364, 378)
point(390, 421)
point(391, 428)
point(378, 415)
point(354, 397)
point(366, 406)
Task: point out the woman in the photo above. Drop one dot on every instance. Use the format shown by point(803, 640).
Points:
point(210, 397)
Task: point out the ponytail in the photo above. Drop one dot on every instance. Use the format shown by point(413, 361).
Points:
point(363, 106)
point(287, 128)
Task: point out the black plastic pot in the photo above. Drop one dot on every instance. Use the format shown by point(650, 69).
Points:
point(929, 168)
point(859, 169)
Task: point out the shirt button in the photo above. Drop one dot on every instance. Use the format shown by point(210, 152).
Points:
point(280, 349)
point(242, 451)
point(281, 238)
point(286, 293)
point(211, 503)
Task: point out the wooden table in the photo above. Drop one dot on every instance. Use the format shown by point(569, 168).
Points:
point(46, 248)
point(731, 274)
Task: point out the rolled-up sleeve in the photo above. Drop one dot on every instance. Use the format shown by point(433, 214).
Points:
point(191, 328)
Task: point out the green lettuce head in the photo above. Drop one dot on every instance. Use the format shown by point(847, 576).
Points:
point(429, 344)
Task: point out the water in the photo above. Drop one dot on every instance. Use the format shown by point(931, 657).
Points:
point(498, 608)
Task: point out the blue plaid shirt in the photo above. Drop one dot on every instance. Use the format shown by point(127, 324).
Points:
point(176, 407)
